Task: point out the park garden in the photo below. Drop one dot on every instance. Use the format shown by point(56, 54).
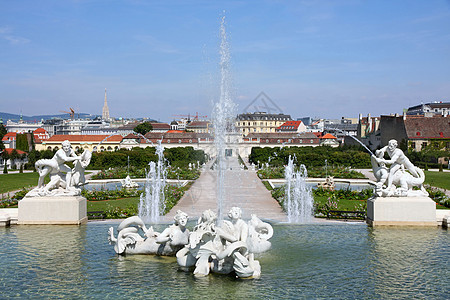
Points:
point(184, 164)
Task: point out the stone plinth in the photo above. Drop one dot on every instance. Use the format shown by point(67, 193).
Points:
point(401, 211)
point(70, 210)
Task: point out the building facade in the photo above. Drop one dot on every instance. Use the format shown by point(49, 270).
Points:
point(260, 122)
point(432, 108)
point(417, 132)
point(80, 142)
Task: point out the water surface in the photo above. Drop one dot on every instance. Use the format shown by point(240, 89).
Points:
point(349, 261)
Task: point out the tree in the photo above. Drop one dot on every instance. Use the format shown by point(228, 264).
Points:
point(143, 128)
point(22, 142)
point(3, 131)
point(5, 157)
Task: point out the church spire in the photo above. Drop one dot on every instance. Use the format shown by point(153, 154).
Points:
point(105, 113)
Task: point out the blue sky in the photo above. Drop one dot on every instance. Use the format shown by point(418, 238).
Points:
point(158, 59)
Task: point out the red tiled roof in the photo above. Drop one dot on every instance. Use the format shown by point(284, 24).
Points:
point(160, 125)
point(175, 131)
point(278, 135)
point(288, 124)
point(40, 130)
point(420, 127)
point(84, 138)
point(9, 151)
point(9, 136)
point(201, 124)
point(131, 136)
point(328, 136)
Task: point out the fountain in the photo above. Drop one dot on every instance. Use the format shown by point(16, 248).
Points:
point(348, 261)
point(223, 115)
point(299, 202)
point(151, 204)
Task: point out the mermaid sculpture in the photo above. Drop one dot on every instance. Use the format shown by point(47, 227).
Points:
point(129, 240)
point(227, 248)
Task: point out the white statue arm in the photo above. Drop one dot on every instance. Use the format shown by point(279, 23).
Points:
point(164, 237)
point(66, 158)
point(395, 157)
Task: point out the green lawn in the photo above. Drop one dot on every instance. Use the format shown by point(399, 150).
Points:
point(343, 204)
point(17, 181)
point(103, 205)
point(438, 179)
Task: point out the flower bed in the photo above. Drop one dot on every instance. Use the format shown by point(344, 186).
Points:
point(337, 172)
point(172, 173)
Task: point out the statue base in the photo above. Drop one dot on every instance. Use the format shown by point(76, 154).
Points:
point(401, 211)
point(63, 210)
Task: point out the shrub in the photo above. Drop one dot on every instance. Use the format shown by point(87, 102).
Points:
point(439, 196)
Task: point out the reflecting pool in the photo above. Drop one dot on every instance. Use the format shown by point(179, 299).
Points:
point(348, 261)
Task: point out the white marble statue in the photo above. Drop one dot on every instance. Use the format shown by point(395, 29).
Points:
point(128, 183)
point(400, 178)
point(328, 184)
point(227, 248)
point(64, 181)
point(129, 239)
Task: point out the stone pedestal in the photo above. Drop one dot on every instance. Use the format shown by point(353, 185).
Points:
point(70, 210)
point(401, 211)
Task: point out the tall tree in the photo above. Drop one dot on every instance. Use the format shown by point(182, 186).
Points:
point(3, 131)
point(143, 128)
point(22, 142)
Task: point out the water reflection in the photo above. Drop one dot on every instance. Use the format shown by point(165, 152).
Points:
point(409, 261)
point(350, 261)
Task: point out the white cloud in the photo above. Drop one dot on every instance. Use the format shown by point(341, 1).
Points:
point(6, 34)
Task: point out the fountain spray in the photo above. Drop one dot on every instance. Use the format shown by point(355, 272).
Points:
point(299, 203)
point(223, 115)
point(151, 204)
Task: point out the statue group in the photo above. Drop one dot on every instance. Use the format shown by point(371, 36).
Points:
point(64, 180)
point(228, 247)
point(401, 177)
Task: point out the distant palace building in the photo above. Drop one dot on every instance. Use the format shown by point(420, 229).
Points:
point(260, 122)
